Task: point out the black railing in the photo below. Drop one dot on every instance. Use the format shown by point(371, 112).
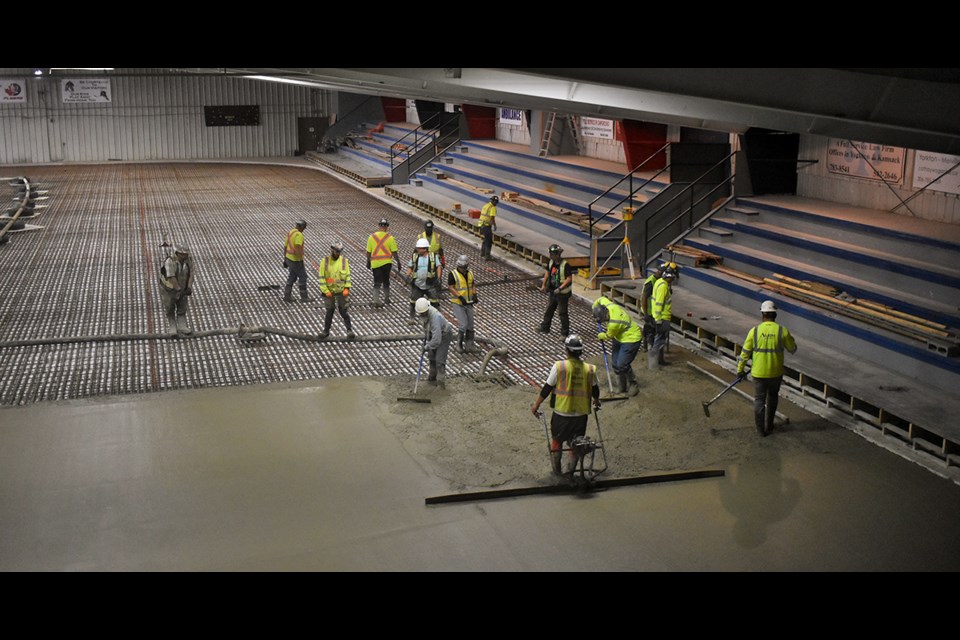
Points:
point(631, 191)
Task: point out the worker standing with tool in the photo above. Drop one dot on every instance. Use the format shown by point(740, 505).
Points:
point(661, 304)
point(463, 295)
point(488, 224)
point(765, 343)
point(557, 282)
point(625, 335)
point(646, 311)
point(334, 276)
point(176, 286)
point(381, 247)
point(294, 264)
point(429, 233)
point(423, 275)
point(439, 334)
point(573, 383)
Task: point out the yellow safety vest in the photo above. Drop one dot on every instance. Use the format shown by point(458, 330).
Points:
point(487, 215)
point(294, 240)
point(381, 247)
point(559, 272)
point(464, 285)
point(620, 326)
point(661, 301)
point(334, 275)
point(765, 343)
point(434, 241)
point(573, 388)
point(431, 265)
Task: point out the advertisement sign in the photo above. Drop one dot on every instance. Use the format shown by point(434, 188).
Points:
point(596, 128)
point(85, 90)
point(881, 163)
point(929, 167)
point(13, 91)
point(511, 116)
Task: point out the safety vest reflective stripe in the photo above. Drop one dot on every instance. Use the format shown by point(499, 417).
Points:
point(766, 346)
point(334, 277)
point(573, 388)
point(487, 214)
point(464, 285)
point(558, 274)
point(380, 250)
point(662, 298)
point(624, 329)
point(291, 246)
point(777, 347)
point(434, 241)
point(431, 264)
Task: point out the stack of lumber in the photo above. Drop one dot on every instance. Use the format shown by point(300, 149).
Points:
point(700, 258)
point(831, 299)
point(543, 207)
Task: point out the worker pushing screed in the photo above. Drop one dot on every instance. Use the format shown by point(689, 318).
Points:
point(571, 383)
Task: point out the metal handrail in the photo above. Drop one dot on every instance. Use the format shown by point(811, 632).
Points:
point(421, 128)
point(632, 191)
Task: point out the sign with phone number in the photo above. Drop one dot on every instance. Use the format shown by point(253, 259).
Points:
point(865, 160)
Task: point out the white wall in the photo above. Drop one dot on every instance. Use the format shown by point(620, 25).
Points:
point(152, 117)
point(815, 181)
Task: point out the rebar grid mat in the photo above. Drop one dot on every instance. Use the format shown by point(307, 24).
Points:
point(92, 271)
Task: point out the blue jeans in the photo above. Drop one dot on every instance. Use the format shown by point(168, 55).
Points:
point(623, 355)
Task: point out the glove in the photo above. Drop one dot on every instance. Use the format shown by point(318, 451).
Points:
point(187, 291)
point(346, 293)
point(463, 300)
point(285, 265)
point(368, 263)
point(476, 298)
point(602, 336)
point(556, 291)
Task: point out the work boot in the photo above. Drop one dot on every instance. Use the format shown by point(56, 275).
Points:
point(287, 291)
point(183, 326)
point(303, 295)
point(442, 376)
point(542, 329)
point(376, 298)
point(324, 334)
point(432, 375)
point(460, 337)
point(622, 382)
point(469, 345)
point(386, 295)
point(555, 462)
point(653, 359)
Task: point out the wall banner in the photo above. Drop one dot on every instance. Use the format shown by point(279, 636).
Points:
point(843, 159)
point(928, 166)
point(596, 128)
point(511, 116)
point(85, 90)
point(13, 91)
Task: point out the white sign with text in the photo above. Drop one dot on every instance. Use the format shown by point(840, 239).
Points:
point(865, 160)
point(85, 90)
point(930, 167)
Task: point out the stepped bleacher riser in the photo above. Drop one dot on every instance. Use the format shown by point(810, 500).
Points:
point(807, 322)
point(750, 263)
point(522, 159)
point(910, 246)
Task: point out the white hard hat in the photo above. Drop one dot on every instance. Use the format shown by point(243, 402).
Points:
point(463, 261)
point(423, 243)
point(181, 248)
point(573, 343)
point(337, 245)
point(768, 307)
point(422, 305)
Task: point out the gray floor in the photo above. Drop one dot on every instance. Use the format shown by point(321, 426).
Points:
point(308, 477)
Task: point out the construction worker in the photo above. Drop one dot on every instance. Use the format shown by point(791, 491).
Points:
point(334, 276)
point(381, 247)
point(423, 275)
point(661, 303)
point(488, 224)
point(294, 264)
point(573, 383)
point(438, 334)
point(557, 281)
point(765, 344)
point(429, 233)
point(625, 336)
point(463, 295)
point(646, 314)
point(176, 286)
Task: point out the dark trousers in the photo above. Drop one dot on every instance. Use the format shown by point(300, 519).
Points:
point(766, 396)
point(296, 271)
point(339, 302)
point(622, 356)
point(381, 277)
point(558, 303)
point(487, 245)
